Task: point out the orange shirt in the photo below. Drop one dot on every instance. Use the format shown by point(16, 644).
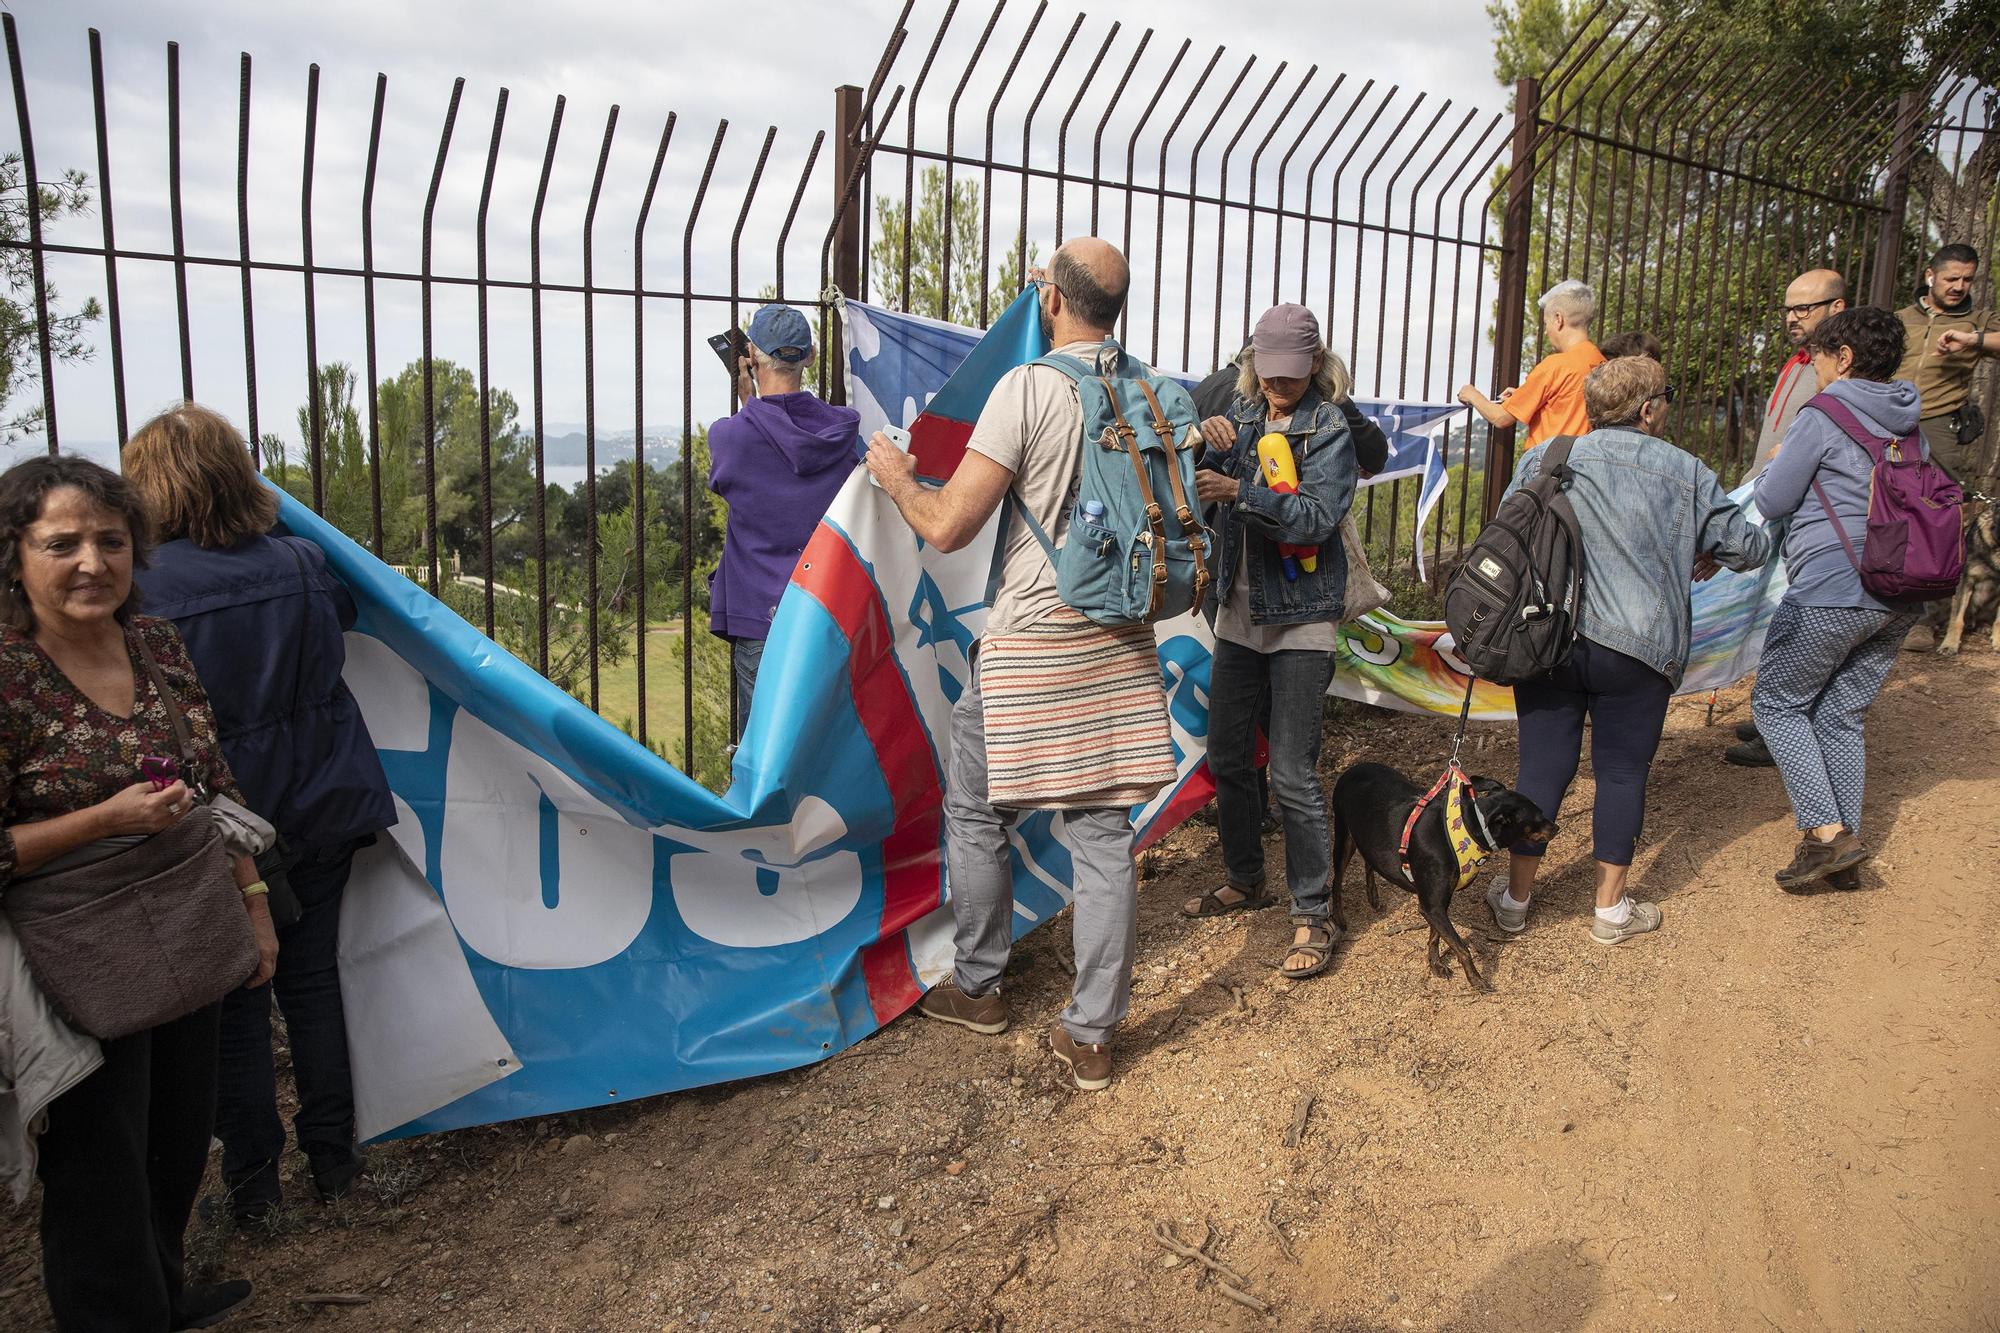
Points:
point(1550, 401)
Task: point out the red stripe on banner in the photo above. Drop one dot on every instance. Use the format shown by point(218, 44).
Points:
point(833, 575)
point(939, 444)
point(1196, 792)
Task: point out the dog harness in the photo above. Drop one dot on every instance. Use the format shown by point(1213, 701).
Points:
point(1468, 851)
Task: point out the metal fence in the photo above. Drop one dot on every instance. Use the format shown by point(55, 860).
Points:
point(1413, 224)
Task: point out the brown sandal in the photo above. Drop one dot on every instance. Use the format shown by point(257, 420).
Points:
point(1210, 905)
point(1319, 943)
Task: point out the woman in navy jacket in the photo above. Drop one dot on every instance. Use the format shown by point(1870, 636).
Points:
point(263, 621)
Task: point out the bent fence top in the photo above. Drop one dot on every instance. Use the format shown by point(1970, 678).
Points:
point(441, 293)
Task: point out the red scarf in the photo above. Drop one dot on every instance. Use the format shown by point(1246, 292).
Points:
point(1800, 359)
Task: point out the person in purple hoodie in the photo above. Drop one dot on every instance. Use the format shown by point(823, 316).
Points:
point(1831, 644)
point(777, 463)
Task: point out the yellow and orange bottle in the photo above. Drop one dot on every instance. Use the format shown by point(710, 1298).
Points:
point(1281, 474)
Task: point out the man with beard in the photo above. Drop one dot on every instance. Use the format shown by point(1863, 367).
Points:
point(1812, 297)
point(1945, 338)
point(1062, 713)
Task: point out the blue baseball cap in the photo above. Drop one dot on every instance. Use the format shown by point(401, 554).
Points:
point(781, 332)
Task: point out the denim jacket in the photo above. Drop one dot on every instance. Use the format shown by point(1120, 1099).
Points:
point(1646, 510)
point(1323, 453)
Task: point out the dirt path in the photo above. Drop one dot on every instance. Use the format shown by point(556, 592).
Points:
point(1779, 1113)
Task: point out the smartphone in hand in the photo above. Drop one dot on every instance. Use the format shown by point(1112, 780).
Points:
point(897, 436)
point(730, 347)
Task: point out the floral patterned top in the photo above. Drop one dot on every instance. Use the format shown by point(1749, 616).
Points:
point(60, 752)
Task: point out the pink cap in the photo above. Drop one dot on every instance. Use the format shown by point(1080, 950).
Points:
point(1285, 341)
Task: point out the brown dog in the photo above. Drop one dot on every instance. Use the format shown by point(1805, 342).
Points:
point(1978, 595)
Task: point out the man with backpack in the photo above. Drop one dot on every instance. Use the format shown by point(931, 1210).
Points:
point(1065, 710)
point(1944, 339)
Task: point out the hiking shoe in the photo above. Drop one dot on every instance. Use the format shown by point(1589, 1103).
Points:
point(1747, 731)
point(1644, 920)
point(1750, 754)
point(1815, 860)
point(334, 1175)
point(1849, 878)
point(204, 1306)
point(1089, 1062)
point(1922, 639)
point(986, 1014)
point(1506, 915)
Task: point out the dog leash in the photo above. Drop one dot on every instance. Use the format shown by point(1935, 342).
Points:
point(1453, 784)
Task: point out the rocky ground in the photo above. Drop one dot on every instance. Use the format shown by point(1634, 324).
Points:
point(1780, 1112)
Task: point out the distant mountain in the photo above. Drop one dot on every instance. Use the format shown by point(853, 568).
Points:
point(567, 450)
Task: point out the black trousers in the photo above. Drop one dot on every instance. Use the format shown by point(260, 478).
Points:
point(120, 1163)
point(307, 985)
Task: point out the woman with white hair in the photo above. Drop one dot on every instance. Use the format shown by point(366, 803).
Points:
point(1276, 613)
point(1550, 401)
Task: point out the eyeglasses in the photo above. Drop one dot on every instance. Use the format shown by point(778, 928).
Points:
point(1667, 393)
point(1801, 311)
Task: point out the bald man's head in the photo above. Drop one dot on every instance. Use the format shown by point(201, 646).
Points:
point(1093, 279)
point(1813, 295)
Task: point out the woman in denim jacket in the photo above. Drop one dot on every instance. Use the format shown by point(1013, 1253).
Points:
point(1274, 619)
point(1651, 515)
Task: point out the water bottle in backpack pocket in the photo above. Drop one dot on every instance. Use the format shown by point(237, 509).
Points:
point(1136, 551)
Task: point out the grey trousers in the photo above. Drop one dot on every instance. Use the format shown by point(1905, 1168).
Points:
point(1105, 885)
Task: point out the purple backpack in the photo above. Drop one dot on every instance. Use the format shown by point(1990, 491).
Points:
point(1914, 551)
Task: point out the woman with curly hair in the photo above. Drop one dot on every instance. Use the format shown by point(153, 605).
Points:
point(1831, 644)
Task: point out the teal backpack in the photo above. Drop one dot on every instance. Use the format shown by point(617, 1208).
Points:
point(1128, 559)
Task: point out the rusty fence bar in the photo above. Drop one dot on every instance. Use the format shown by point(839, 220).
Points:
point(1418, 227)
point(528, 563)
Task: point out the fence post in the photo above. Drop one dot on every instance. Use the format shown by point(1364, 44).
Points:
point(1895, 202)
point(1512, 306)
point(848, 138)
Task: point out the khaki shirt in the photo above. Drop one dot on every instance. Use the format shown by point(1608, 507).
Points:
point(1032, 425)
point(1943, 382)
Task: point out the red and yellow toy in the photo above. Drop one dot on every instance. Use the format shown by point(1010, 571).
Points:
point(1281, 474)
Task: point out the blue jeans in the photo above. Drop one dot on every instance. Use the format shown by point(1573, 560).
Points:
point(307, 986)
point(1240, 680)
point(745, 656)
point(1626, 702)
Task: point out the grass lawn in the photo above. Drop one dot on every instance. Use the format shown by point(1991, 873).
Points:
point(618, 698)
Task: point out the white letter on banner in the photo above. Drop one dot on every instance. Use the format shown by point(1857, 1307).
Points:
point(490, 858)
point(752, 888)
point(395, 698)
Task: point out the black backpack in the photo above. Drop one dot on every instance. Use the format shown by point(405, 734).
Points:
point(1515, 605)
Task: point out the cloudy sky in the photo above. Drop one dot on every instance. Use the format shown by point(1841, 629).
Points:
point(756, 66)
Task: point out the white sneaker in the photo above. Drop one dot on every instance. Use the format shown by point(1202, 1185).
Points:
point(1509, 916)
point(1644, 920)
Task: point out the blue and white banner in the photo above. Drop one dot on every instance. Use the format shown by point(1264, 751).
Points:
point(561, 919)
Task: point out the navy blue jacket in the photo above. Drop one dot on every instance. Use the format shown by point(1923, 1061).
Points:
point(263, 622)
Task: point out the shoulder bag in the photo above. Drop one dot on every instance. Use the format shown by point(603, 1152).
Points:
point(127, 933)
